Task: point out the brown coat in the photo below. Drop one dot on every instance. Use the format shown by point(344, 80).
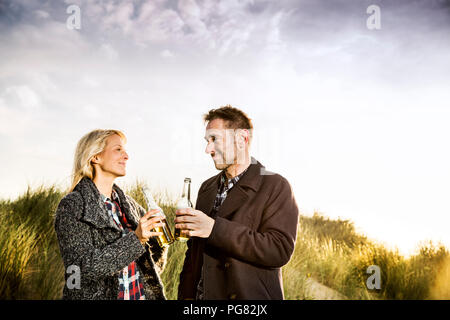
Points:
point(253, 237)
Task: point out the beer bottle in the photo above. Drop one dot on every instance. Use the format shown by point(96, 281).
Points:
point(183, 203)
point(166, 238)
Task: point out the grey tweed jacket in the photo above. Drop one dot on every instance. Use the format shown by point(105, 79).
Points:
point(90, 242)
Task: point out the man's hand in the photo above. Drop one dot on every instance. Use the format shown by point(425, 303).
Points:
point(196, 222)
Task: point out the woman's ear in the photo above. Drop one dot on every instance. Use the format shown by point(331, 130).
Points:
point(95, 159)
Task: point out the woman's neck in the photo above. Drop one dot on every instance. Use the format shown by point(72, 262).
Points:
point(104, 184)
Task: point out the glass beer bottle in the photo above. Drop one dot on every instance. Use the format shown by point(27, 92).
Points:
point(166, 238)
point(183, 203)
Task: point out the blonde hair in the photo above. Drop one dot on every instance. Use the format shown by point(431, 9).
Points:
point(89, 146)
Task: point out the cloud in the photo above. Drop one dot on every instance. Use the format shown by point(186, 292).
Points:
point(225, 27)
point(167, 54)
point(23, 97)
point(18, 107)
point(41, 14)
point(109, 52)
point(296, 40)
point(12, 121)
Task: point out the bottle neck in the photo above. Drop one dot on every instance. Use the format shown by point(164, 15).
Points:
point(183, 195)
point(186, 190)
point(189, 191)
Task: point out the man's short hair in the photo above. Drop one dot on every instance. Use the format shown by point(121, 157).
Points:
point(233, 117)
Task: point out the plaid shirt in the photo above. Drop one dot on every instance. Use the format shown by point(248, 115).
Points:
point(130, 282)
point(222, 193)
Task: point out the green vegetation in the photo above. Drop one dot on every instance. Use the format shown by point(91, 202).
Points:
point(329, 251)
point(30, 263)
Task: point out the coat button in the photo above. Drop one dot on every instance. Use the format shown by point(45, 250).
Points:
point(227, 265)
point(232, 296)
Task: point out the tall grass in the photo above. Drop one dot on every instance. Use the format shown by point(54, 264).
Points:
point(329, 251)
point(332, 253)
point(30, 264)
point(440, 288)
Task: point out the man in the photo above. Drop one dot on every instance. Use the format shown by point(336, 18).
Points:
point(244, 225)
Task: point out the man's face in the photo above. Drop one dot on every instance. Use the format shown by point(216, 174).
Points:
point(220, 144)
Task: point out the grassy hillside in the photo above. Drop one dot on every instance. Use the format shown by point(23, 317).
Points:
point(329, 251)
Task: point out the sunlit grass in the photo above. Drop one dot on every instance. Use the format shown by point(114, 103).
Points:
point(339, 258)
point(30, 263)
point(329, 251)
point(440, 288)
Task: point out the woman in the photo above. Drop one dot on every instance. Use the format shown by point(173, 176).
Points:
point(104, 236)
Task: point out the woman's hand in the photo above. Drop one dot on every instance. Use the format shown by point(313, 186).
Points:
point(148, 223)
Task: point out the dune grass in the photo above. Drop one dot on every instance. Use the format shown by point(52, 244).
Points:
point(332, 252)
point(329, 251)
point(30, 263)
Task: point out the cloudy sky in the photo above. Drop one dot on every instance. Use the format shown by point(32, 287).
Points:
point(356, 119)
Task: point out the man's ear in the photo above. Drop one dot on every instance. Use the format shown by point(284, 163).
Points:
point(242, 138)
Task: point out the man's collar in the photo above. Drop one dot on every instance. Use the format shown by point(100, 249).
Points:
point(224, 174)
point(224, 177)
point(251, 179)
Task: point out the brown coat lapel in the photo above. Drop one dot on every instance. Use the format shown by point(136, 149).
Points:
point(246, 186)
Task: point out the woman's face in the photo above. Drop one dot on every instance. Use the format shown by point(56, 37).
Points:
point(113, 160)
